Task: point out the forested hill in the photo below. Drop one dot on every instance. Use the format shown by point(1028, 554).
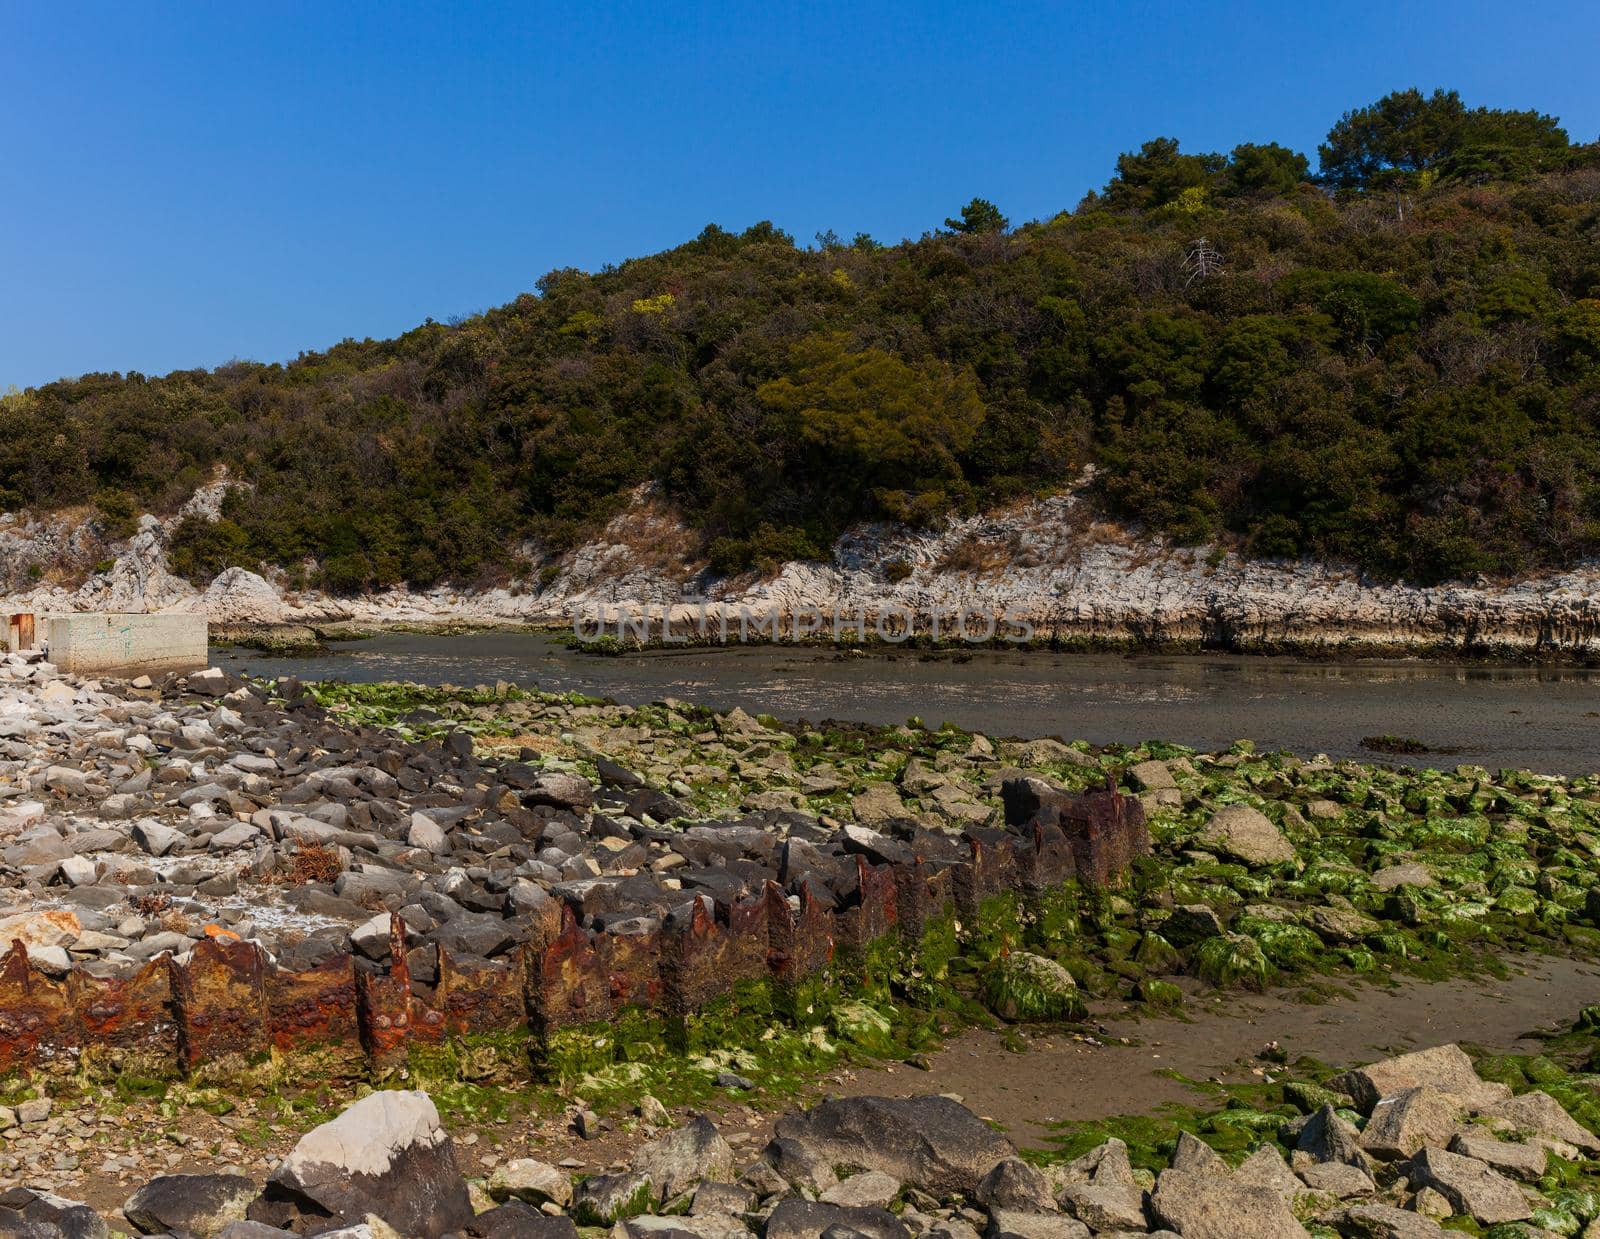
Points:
point(1391, 358)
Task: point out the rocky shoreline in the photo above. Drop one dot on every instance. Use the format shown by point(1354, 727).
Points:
point(1388, 1150)
point(202, 849)
point(1048, 566)
point(225, 889)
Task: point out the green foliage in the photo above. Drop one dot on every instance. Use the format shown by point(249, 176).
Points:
point(1159, 174)
point(1413, 388)
point(200, 548)
point(1403, 137)
point(1266, 169)
point(979, 215)
point(866, 426)
point(116, 512)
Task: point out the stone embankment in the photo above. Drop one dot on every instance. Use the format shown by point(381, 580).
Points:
point(1387, 1150)
point(203, 878)
point(1049, 564)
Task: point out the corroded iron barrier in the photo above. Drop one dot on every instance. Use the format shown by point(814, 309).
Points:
point(228, 1007)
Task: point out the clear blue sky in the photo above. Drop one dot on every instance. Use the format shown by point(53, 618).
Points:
point(181, 184)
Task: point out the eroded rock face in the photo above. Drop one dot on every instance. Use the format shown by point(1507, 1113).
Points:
point(931, 1142)
point(386, 1155)
point(1070, 575)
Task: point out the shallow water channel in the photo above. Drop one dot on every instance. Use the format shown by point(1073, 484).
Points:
point(1543, 718)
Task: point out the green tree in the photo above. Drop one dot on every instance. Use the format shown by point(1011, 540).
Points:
point(1266, 169)
point(874, 425)
point(1407, 134)
point(979, 215)
point(1159, 174)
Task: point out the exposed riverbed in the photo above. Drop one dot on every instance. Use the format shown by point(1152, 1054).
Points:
point(1541, 718)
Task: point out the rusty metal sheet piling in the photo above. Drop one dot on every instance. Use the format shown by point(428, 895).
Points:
point(37, 1022)
point(127, 1022)
point(220, 1004)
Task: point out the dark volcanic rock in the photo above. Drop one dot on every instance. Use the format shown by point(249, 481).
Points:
point(516, 1220)
point(26, 1214)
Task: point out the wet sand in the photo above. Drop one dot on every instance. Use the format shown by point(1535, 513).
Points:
point(1064, 1078)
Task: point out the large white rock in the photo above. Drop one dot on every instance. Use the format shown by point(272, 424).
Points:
point(239, 596)
point(386, 1155)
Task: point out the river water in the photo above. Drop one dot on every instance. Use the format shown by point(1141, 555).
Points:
point(1540, 718)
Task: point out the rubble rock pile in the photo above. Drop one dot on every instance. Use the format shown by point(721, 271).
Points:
point(198, 874)
point(1412, 1142)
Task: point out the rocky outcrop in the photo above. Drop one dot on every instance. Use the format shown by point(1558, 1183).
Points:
point(1047, 568)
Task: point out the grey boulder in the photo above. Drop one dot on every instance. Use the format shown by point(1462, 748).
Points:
point(681, 1158)
point(930, 1142)
point(1470, 1187)
point(199, 1204)
point(807, 1219)
point(1206, 1205)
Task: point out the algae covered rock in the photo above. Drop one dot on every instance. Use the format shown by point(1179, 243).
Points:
point(1232, 959)
point(861, 1022)
point(608, 1198)
point(1024, 986)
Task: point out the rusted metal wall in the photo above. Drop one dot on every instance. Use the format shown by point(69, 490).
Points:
point(227, 1005)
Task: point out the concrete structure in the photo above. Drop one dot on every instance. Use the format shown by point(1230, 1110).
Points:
point(124, 644)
